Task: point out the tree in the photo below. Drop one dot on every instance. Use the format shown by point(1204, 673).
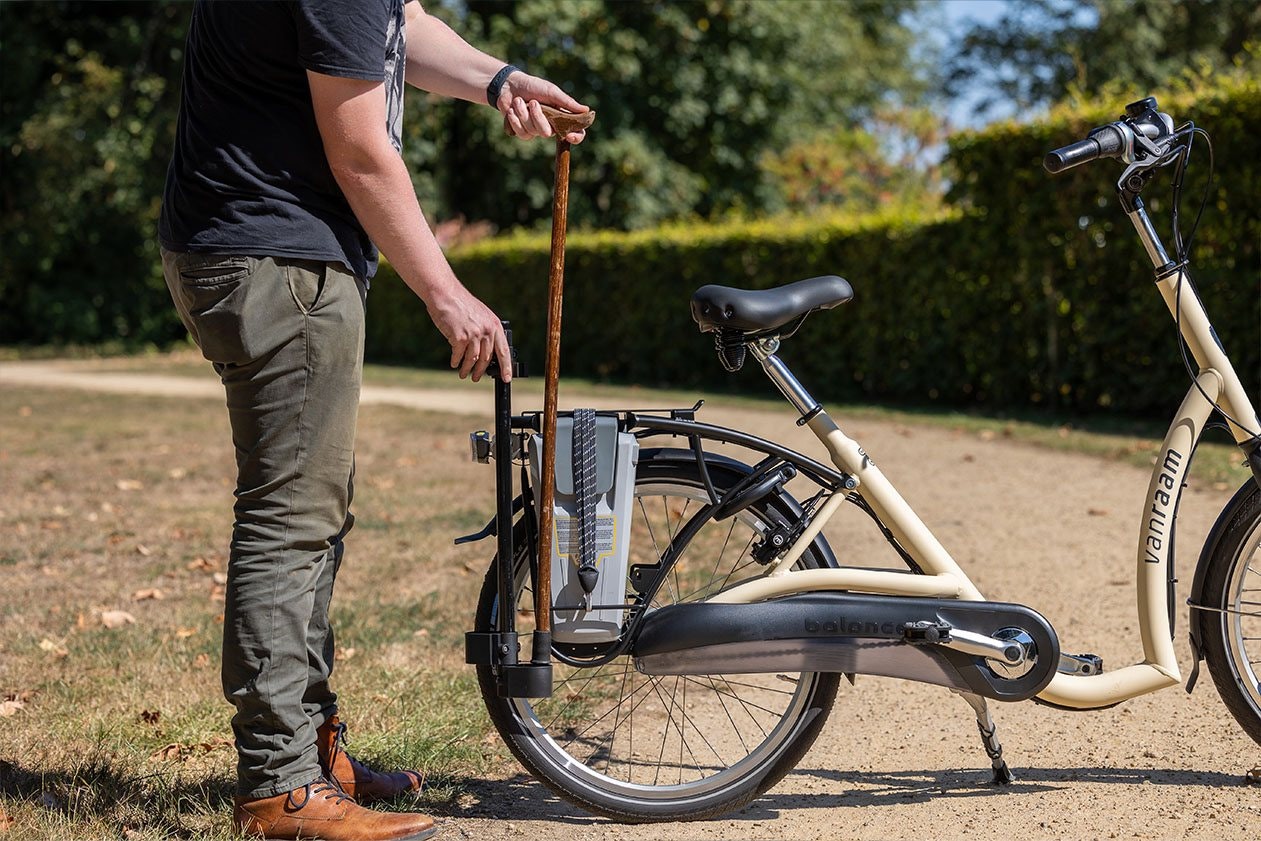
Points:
point(689, 95)
point(1039, 49)
point(86, 123)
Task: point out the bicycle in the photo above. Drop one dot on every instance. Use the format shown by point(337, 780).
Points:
point(732, 601)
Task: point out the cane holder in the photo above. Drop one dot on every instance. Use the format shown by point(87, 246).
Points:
point(500, 648)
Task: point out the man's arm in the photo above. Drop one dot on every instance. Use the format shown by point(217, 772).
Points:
point(351, 115)
point(440, 61)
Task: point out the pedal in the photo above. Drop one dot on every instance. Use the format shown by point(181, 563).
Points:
point(925, 632)
point(1080, 664)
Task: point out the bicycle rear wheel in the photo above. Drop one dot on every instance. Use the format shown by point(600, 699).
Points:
point(639, 748)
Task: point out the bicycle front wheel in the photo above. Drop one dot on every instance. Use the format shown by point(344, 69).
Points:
point(1230, 626)
point(640, 748)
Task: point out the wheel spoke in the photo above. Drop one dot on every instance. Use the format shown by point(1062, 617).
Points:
point(584, 735)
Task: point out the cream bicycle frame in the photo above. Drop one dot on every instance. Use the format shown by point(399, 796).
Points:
point(942, 577)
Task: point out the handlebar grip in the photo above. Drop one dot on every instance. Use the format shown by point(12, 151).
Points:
point(1104, 142)
point(1074, 154)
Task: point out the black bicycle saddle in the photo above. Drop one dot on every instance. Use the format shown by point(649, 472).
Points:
point(763, 310)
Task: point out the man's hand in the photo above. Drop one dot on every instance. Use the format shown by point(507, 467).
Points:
point(519, 103)
point(475, 333)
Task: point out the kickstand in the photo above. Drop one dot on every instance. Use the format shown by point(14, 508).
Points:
point(989, 738)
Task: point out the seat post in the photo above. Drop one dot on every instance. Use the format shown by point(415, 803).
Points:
point(764, 350)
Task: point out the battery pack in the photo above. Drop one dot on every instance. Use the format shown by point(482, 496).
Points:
point(579, 616)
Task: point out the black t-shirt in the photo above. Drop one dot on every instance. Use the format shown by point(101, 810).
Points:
point(249, 175)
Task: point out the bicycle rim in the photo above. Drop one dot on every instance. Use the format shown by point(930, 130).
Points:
point(1241, 623)
point(636, 745)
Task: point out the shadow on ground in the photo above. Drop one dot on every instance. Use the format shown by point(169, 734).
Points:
point(99, 790)
point(133, 799)
point(522, 798)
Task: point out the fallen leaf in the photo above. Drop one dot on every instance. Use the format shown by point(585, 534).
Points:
point(150, 716)
point(177, 473)
point(114, 619)
point(143, 551)
point(5, 821)
point(11, 707)
point(200, 565)
point(1097, 512)
point(423, 632)
point(24, 411)
point(986, 435)
point(184, 633)
point(345, 653)
point(147, 594)
point(176, 751)
point(129, 485)
point(201, 661)
point(55, 649)
point(969, 457)
point(107, 508)
point(167, 753)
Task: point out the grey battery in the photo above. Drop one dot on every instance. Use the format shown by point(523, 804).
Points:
point(579, 617)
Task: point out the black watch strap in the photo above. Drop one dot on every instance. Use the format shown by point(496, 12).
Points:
point(497, 84)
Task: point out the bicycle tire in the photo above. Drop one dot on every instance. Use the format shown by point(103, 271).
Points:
point(571, 777)
point(1232, 579)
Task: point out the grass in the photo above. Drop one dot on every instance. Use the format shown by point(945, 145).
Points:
point(121, 732)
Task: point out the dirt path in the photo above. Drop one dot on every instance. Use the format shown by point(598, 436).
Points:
point(1053, 530)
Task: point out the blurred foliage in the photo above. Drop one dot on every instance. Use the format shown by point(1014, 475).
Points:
point(1038, 49)
point(690, 95)
point(1032, 291)
point(86, 124)
point(891, 159)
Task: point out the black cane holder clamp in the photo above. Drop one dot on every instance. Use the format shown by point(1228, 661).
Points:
point(500, 648)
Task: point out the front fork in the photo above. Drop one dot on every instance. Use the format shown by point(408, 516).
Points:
point(500, 648)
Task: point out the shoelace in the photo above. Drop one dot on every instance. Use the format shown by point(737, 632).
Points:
point(340, 740)
point(319, 786)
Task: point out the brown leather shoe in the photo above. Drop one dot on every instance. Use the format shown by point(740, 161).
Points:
point(320, 810)
point(355, 778)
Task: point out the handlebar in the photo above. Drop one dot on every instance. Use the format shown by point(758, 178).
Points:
point(1142, 133)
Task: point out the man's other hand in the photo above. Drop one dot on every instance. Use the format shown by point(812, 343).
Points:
point(519, 101)
point(474, 332)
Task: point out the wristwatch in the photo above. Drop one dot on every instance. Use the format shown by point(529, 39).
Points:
point(497, 84)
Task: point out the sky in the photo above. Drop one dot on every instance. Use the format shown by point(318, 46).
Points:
point(959, 14)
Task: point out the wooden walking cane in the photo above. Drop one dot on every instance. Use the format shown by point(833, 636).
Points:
point(562, 123)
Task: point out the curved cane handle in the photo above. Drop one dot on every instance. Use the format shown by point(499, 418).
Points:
point(562, 122)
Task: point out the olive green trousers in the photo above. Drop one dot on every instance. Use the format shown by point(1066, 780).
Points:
point(286, 338)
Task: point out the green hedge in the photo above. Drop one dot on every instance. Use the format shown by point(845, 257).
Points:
point(1029, 291)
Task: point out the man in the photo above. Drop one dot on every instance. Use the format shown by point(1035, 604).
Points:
point(286, 171)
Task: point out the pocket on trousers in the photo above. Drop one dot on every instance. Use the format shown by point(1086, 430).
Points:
point(210, 271)
point(212, 292)
point(307, 280)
